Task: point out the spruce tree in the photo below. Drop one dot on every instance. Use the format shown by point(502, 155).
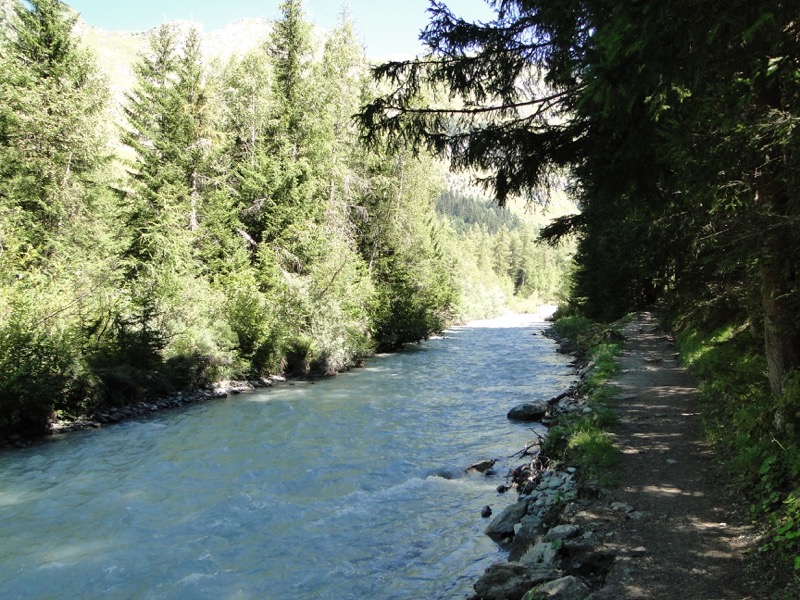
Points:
point(670, 123)
point(279, 191)
point(55, 270)
point(51, 142)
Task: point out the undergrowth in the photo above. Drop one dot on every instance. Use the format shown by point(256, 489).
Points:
point(757, 438)
point(582, 439)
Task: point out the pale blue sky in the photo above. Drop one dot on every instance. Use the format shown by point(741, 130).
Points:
point(389, 28)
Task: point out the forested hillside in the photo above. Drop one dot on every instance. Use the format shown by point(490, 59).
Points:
point(241, 229)
point(504, 260)
point(677, 126)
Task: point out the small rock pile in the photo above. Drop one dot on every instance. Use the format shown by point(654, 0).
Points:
point(569, 400)
point(551, 561)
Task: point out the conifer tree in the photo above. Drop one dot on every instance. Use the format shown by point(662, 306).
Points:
point(172, 129)
point(51, 142)
point(672, 124)
point(54, 269)
point(159, 219)
point(278, 191)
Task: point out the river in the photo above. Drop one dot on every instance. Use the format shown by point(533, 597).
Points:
point(352, 487)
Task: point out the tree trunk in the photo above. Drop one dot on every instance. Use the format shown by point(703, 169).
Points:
point(782, 343)
point(781, 334)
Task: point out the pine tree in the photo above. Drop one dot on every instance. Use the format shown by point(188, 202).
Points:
point(685, 172)
point(51, 142)
point(55, 270)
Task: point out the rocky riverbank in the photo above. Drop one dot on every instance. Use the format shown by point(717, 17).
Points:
point(111, 414)
point(548, 555)
point(662, 530)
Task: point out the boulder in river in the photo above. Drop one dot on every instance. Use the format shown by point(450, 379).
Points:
point(529, 411)
point(503, 524)
point(482, 466)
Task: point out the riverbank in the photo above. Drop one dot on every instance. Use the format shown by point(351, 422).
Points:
point(110, 415)
point(659, 525)
point(364, 472)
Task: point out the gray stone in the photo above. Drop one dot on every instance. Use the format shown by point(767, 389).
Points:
point(510, 580)
point(530, 527)
point(530, 411)
point(549, 497)
point(502, 525)
point(621, 507)
point(581, 545)
point(585, 370)
point(542, 554)
point(562, 532)
point(482, 466)
point(561, 395)
point(566, 588)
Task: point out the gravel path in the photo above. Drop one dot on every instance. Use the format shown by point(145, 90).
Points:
point(673, 529)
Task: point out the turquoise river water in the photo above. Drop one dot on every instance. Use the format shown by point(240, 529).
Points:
point(348, 488)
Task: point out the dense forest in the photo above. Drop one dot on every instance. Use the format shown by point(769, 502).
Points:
point(676, 126)
point(231, 225)
point(239, 222)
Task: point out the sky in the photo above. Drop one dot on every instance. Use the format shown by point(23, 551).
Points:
point(388, 28)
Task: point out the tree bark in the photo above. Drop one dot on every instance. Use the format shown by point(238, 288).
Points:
point(781, 334)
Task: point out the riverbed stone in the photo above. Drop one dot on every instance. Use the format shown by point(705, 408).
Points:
point(562, 532)
point(566, 588)
point(511, 580)
point(543, 554)
point(502, 526)
point(586, 370)
point(561, 395)
point(529, 411)
point(529, 528)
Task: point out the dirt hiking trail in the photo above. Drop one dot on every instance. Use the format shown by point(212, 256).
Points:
point(669, 520)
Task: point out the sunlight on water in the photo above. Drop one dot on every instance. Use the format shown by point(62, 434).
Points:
point(352, 487)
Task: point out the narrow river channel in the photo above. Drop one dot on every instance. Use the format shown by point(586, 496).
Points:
point(353, 487)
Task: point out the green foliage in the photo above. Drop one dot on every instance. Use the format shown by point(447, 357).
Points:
point(582, 439)
point(502, 262)
point(466, 212)
point(684, 163)
point(574, 329)
point(51, 100)
point(602, 355)
point(42, 372)
point(787, 528)
point(591, 449)
point(250, 233)
point(740, 419)
point(598, 342)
